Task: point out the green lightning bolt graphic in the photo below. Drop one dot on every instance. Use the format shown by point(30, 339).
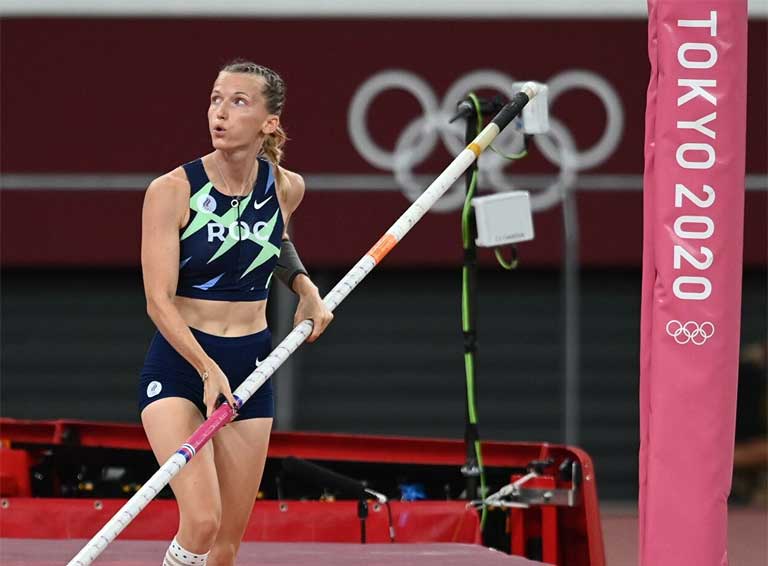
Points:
point(203, 217)
point(268, 250)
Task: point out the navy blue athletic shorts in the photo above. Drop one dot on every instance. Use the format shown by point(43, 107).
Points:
point(167, 374)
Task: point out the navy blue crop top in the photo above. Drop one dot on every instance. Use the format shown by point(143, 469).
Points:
point(230, 245)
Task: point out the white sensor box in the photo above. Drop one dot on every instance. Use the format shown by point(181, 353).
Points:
point(503, 218)
point(536, 112)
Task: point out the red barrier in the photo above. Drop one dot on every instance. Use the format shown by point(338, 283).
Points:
point(14, 473)
point(287, 521)
point(576, 538)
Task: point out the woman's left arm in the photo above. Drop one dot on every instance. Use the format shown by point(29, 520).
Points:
point(310, 305)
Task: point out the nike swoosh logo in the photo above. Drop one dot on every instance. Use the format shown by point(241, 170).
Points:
point(257, 205)
point(258, 362)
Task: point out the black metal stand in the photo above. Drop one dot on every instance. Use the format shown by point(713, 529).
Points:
point(471, 469)
point(362, 514)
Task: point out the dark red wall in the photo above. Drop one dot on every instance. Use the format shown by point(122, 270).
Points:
point(130, 96)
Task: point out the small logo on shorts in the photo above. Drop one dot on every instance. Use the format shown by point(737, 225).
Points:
point(258, 362)
point(206, 203)
point(154, 388)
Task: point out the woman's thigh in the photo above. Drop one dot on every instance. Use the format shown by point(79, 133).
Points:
point(240, 451)
point(168, 423)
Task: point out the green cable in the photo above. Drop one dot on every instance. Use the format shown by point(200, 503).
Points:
point(511, 156)
point(466, 211)
point(469, 360)
point(508, 265)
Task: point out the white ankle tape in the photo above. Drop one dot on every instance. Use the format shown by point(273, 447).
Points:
point(177, 555)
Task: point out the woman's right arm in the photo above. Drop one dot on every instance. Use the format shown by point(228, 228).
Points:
point(165, 204)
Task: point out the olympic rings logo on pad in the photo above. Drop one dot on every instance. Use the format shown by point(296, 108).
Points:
point(419, 139)
point(690, 331)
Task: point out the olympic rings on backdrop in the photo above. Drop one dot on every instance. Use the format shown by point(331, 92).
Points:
point(419, 138)
point(690, 331)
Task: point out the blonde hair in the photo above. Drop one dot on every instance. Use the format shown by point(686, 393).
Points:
point(273, 145)
point(274, 93)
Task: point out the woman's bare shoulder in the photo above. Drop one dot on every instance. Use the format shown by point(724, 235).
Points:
point(174, 182)
point(168, 197)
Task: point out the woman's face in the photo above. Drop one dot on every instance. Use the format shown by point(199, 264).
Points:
point(238, 115)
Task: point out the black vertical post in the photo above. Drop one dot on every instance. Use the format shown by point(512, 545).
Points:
point(362, 514)
point(471, 469)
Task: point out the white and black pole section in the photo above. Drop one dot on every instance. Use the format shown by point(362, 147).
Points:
point(301, 332)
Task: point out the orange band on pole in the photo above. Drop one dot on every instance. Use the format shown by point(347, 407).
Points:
point(474, 148)
point(382, 247)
